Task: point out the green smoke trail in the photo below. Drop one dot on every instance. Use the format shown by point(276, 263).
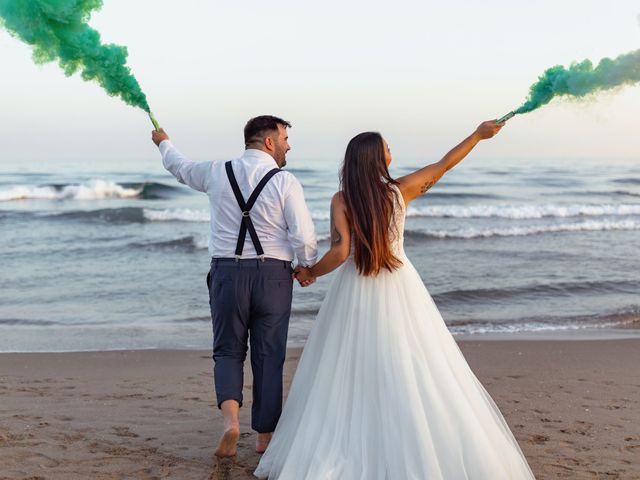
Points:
point(58, 30)
point(582, 79)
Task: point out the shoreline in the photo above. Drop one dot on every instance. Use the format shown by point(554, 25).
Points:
point(586, 334)
point(572, 405)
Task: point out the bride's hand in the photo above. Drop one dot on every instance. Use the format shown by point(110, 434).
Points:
point(488, 129)
point(303, 275)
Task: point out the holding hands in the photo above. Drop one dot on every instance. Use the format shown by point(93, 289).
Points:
point(303, 275)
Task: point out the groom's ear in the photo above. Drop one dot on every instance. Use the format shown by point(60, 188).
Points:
point(269, 143)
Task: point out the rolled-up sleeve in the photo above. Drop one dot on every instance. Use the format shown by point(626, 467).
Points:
point(196, 175)
point(302, 234)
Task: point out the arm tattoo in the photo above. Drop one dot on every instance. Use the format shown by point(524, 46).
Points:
point(426, 186)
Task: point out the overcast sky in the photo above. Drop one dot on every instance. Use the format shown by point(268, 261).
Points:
point(423, 73)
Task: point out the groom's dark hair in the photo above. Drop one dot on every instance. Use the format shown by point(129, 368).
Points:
point(255, 128)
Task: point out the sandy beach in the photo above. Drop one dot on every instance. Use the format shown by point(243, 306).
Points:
point(573, 406)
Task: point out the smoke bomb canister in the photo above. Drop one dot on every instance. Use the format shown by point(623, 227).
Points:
point(156, 125)
point(506, 117)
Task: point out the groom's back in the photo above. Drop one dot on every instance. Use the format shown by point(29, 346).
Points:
point(271, 214)
point(283, 224)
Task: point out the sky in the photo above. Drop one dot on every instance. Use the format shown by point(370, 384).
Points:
point(423, 73)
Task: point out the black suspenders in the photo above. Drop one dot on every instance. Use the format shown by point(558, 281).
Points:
point(246, 223)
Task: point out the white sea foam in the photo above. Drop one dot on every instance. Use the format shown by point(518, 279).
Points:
point(514, 212)
point(201, 243)
point(525, 212)
point(94, 189)
point(176, 215)
point(189, 215)
point(470, 233)
point(202, 216)
point(320, 215)
point(534, 327)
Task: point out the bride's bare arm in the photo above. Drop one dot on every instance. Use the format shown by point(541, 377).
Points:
point(340, 243)
point(418, 182)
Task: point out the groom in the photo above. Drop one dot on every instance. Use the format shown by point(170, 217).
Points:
point(250, 281)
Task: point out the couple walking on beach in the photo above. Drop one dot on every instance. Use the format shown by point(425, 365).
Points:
point(382, 390)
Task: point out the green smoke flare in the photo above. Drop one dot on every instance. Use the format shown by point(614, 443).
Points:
point(58, 30)
point(581, 79)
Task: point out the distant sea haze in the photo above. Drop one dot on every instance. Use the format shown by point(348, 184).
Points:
point(115, 257)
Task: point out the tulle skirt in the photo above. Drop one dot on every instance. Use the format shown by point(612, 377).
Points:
point(382, 392)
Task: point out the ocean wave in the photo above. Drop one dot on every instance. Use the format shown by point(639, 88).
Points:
point(91, 190)
point(512, 212)
point(109, 215)
point(627, 181)
point(176, 215)
point(155, 190)
point(516, 213)
point(189, 215)
point(524, 212)
point(628, 318)
point(545, 290)
point(146, 215)
point(129, 215)
point(25, 322)
point(604, 193)
point(471, 233)
point(188, 243)
point(626, 192)
point(624, 319)
point(320, 215)
point(461, 195)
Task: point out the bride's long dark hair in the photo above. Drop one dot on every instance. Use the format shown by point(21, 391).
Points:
point(367, 189)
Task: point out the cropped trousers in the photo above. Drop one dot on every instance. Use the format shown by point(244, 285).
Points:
point(250, 303)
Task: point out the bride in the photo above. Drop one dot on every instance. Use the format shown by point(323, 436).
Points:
point(382, 391)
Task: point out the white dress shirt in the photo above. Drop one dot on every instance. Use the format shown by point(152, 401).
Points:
point(280, 215)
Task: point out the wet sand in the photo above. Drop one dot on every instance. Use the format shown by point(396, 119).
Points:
point(574, 407)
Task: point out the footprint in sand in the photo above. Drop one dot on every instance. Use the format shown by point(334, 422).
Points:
point(124, 432)
point(41, 460)
point(549, 420)
point(117, 451)
point(537, 439)
point(67, 438)
point(27, 417)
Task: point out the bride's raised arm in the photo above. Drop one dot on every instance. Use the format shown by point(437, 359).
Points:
point(418, 182)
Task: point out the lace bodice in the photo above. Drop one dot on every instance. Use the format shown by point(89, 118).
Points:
point(396, 230)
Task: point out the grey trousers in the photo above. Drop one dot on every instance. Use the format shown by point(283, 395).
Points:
point(250, 304)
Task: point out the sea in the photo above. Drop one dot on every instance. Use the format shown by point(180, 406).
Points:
point(112, 255)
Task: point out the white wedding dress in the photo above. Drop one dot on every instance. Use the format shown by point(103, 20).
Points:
point(382, 391)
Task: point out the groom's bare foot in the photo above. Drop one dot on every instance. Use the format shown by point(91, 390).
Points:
point(262, 442)
point(228, 446)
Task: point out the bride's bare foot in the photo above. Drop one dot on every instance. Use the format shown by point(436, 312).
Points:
point(262, 441)
point(228, 446)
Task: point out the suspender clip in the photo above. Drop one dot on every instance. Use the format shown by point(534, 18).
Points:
point(237, 258)
point(245, 213)
point(262, 258)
